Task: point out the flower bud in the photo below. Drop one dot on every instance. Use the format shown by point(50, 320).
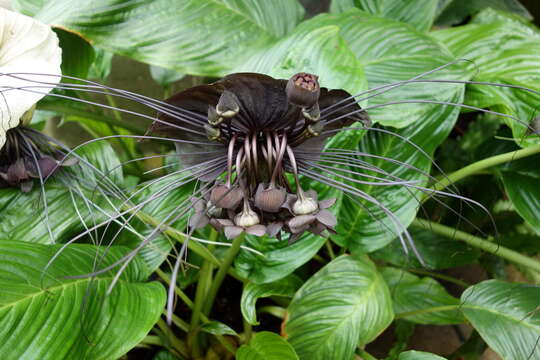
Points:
point(313, 114)
point(227, 106)
point(213, 118)
point(246, 218)
point(305, 206)
point(212, 132)
point(226, 197)
point(315, 129)
point(271, 199)
point(303, 90)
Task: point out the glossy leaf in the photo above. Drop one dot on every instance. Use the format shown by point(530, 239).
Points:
point(390, 52)
point(177, 35)
point(344, 305)
point(411, 293)
point(252, 292)
point(418, 13)
point(365, 226)
point(217, 328)
point(52, 317)
point(418, 355)
point(456, 11)
point(266, 346)
point(314, 48)
point(77, 54)
point(438, 252)
point(523, 190)
point(279, 260)
point(495, 307)
point(507, 52)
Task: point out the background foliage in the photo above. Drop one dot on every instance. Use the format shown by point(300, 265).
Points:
point(317, 298)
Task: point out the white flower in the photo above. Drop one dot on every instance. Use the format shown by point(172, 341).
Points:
point(26, 46)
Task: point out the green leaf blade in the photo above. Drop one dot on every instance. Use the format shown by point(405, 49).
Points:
point(345, 304)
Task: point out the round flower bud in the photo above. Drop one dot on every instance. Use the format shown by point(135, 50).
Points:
point(246, 218)
point(226, 197)
point(271, 199)
point(305, 206)
point(303, 90)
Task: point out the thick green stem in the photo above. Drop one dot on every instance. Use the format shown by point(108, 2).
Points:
point(481, 165)
point(222, 271)
point(480, 243)
point(203, 286)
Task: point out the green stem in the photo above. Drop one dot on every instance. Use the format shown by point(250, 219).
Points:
point(329, 249)
point(203, 285)
point(248, 332)
point(427, 310)
point(222, 271)
point(227, 345)
point(365, 355)
point(480, 243)
point(481, 165)
point(68, 110)
point(276, 311)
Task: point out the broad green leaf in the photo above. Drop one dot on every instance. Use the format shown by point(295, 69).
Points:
point(411, 293)
point(344, 305)
point(252, 292)
point(218, 328)
point(418, 355)
point(523, 190)
point(266, 346)
point(506, 316)
point(313, 48)
point(418, 13)
point(192, 36)
point(365, 226)
point(279, 260)
point(390, 52)
point(52, 317)
point(164, 76)
point(25, 216)
point(77, 54)
point(164, 355)
point(506, 52)
point(438, 252)
point(456, 11)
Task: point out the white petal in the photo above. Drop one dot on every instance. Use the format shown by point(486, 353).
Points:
point(26, 46)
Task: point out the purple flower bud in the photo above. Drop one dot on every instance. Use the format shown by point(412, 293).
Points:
point(270, 199)
point(303, 90)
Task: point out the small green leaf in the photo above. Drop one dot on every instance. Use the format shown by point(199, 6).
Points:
point(506, 316)
point(266, 346)
point(77, 54)
point(48, 316)
point(413, 294)
point(344, 305)
point(418, 355)
point(217, 328)
point(523, 190)
point(252, 292)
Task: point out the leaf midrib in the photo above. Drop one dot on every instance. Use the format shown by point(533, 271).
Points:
point(52, 289)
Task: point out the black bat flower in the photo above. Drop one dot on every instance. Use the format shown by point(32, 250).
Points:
point(246, 135)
